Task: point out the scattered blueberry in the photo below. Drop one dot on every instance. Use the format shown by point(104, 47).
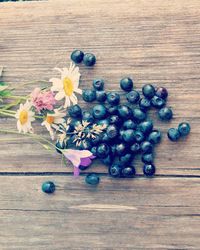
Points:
point(157, 102)
point(112, 131)
point(139, 115)
point(103, 150)
point(126, 159)
point(146, 147)
point(144, 104)
point(108, 160)
point(125, 112)
point(128, 135)
point(92, 179)
point(89, 59)
point(99, 111)
point(113, 98)
point(133, 96)
point(129, 124)
point(148, 91)
point(128, 172)
point(165, 114)
point(48, 187)
point(173, 134)
point(135, 148)
point(120, 149)
point(101, 96)
point(154, 137)
point(77, 56)
point(162, 92)
point(139, 136)
point(87, 116)
point(115, 170)
point(184, 128)
point(126, 84)
point(98, 84)
point(146, 127)
point(115, 119)
point(94, 150)
point(147, 158)
point(112, 110)
point(89, 95)
point(103, 122)
point(75, 111)
point(149, 169)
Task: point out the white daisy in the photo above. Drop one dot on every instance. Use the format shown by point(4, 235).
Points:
point(52, 121)
point(67, 85)
point(25, 116)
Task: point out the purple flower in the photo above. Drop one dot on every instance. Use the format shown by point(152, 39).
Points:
point(78, 158)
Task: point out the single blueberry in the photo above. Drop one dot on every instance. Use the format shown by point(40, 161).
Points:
point(108, 160)
point(139, 115)
point(125, 112)
point(184, 128)
point(173, 134)
point(112, 131)
point(103, 150)
point(149, 169)
point(129, 124)
point(145, 127)
point(126, 84)
point(115, 170)
point(120, 149)
point(101, 96)
point(98, 84)
point(112, 110)
point(48, 187)
point(92, 179)
point(135, 148)
point(162, 92)
point(87, 116)
point(155, 137)
point(115, 119)
point(77, 56)
point(89, 95)
point(128, 135)
point(126, 159)
point(145, 104)
point(128, 172)
point(103, 122)
point(96, 140)
point(165, 114)
point(99, 111)
point(147, 158)
point(146, 147)
point(139, 136)
point(133, 96)
point(157, 102)
point(148, 91)
point(94, 151)
point(113, 98)
point(75, 111)
point(89, 59)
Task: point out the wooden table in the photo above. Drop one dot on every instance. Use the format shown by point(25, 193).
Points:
point(153, 41)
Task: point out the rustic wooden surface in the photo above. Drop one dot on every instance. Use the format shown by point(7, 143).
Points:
point(152, 41)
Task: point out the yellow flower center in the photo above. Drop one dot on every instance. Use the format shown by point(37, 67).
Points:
point(68, 86)
point(50, 119)
point(23, 117)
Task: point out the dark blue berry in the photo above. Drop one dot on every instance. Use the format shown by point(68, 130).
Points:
point(87, 116)
point(154, 137)
point(126, 84)
point(129, 124)
point(128, 172)
point(103, 122)
point(148, 91)
point(99, 111)
point(138, 136)
point(101, 96)
point(104, 137)
point(75, 111)
point(144, 104)
point(113, 98)
point(77, 56)
point(115, 119)
point(96, 140)
point(89, 95)
point(128, 135)
point(108, 160)
point(173, 134)
point(94, 150)
point(146, 147)
point(115, 170)
point(89, 59)
point(92, 179)
point(184, 128)
point(139, 115)
point(120, 149)
point(135, 148)
point(112, 131)
point(125, 112)
point(98, 84)
point(126, 159)
point(112, 110)
point(133, 96)
point(157, 102)
point(146, 127)
point(103, 150)
point(149, 169)
point(48, 187)
point(162, 92)
point(165, 114)
point(147, 158)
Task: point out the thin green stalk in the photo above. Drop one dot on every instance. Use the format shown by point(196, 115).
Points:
point(7, 114)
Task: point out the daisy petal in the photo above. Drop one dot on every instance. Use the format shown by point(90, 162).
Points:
point(60, 95)
point(79, 91)
point(74, 99)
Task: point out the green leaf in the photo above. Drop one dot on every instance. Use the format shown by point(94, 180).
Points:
point(5, 93)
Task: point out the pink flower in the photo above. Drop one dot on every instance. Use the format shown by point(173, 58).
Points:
point(78, 158)
point(42, 99)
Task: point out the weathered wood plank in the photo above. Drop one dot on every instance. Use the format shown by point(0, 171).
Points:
point(151, 41)
point(143, 213)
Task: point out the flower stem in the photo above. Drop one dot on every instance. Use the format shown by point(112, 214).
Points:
point(7, 114)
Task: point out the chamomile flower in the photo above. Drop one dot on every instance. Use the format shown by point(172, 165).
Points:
point(53, 120)
point(25, 116)
point(67, 85)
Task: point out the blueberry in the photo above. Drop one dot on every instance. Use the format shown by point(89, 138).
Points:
point(184, 128)
point(75, 111)
point(128, 135)
point(126, 84)
point(89, 95)
point(92, 179)
point(165, 114)
point(98, 84)
point(120, 149)
point(125, 112)
point(129, 124)
point(115, 119)
point(149, 169)
point(101, 96)
point(157, 102)
point(87, 116)
point(77, 56)
point(126, 159)
point(108, 160)
point(139, 115)
point(154, 137)
point(128, 172)
point(96, 140)
point(103, 122)
point(48, 187)
point(146, 147)
point(89, 59)
point(112, 131)
point(133, 96)
point(104, 137)
point(173, 134)
point(147, 158)
point(146, 127)
point(162, 92)
point(94, 150)
point(144, 104)
point(99, 111)
point(112, 110)
point(135, 148)
point(115, 170)
point(139, 136)
point(113, 149)
point(113, 98)
point(103, 150)
point(148, 91)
